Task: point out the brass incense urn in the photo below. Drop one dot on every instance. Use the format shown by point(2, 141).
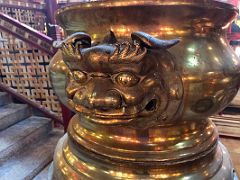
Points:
point(143, 77)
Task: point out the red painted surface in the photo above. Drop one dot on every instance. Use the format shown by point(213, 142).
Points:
point(234, 36)
point(66, 116)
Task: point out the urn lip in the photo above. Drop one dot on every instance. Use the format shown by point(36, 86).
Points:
point(121, 3)
point(114, 3)
point(103, 14)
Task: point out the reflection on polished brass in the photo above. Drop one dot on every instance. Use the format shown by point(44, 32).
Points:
point(142, 103)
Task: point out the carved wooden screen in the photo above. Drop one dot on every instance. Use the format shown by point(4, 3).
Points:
point(31, 14)
point(25, 69)
point(23, 66)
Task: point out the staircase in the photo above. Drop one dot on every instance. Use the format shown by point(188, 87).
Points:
point(27, 141)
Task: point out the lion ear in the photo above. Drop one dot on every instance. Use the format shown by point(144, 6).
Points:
point(78, 39)
point(146, 40)
point(81, 39)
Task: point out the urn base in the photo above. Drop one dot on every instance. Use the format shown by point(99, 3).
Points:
point(74, 161)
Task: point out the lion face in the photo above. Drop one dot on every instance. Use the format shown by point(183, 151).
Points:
point(140, 87)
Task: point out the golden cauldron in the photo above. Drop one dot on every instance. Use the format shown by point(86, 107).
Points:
point(143, 77)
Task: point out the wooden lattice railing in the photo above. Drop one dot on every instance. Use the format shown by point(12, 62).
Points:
point(26, 34)
point(24, 58)
point(32, 104)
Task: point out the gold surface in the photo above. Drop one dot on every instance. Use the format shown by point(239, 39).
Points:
point(164, 18)
point(142, 102)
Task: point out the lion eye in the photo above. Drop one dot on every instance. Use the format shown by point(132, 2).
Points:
point(127, 79)
point(79, 77)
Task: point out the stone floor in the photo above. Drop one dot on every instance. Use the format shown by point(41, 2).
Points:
point(233, 146)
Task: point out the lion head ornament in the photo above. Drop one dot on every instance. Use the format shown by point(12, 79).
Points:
point(135, 83)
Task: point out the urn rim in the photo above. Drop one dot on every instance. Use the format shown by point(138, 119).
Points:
point(113, 3)
point(78, 11)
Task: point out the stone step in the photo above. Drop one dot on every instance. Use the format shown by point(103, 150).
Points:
point(14, 138)
point(13, 113)
point(5, 98)
point(28, 163)
point(43, 175)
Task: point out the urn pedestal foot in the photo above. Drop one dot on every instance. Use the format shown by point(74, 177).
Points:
point(74, 161)
point(62, 169)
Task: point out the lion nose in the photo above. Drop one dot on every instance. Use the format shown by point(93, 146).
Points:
point(109, 100)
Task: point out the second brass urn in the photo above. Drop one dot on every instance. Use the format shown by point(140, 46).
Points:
point(143, 77)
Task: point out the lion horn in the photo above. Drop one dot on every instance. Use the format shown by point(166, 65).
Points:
point(150, 42)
